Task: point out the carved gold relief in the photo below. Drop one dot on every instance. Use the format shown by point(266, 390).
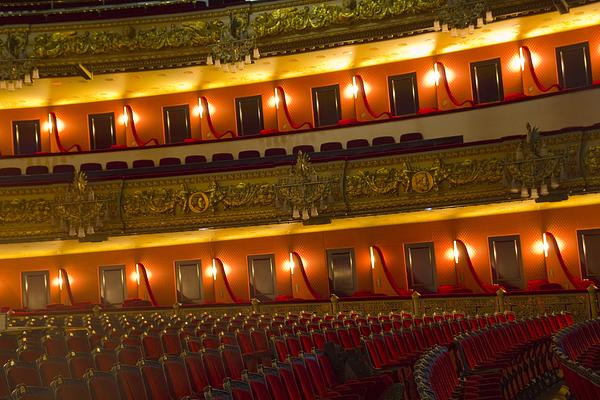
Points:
point(592, 160)
point(165, 201)
point(408, 179)
point(25, 211)
point(74, 43)
point(301, 19)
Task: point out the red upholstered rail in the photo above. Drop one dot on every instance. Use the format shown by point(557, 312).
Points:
point(527, 54)
point(226, 281)
point(137, 139)
point(61, 148)
point(204, 104)
point(482, 286)
point(576, 282)
point(388, 275)
point(65, 281)
point(363, 94)
point(281, 94)
point(442, 71)
point(144, 274)
point(312, 291)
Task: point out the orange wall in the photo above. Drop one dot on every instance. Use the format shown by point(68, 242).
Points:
point(149, 109)
point(83, 268)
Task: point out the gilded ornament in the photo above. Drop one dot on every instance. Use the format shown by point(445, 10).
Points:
point(324, 15)
point(25, 211)
point(592, 160)
point(422, 182)
point(89, 43)
point(407, 179)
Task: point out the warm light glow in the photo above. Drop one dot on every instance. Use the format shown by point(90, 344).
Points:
point(136, 275)
point(214, 269)
point(276, 100)
point(291, 264)
point(545, 240)
point(199, 109)
point(48, 126)
point(522, 65)
point(433, 77)
point(436, 74)
point(455, 252)
point(124, 118)
point(372, 257)
point(352, 90)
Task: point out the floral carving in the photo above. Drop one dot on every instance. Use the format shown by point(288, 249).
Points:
point(19, 211)
point(407, 179)
point(66, 44)
point(300, 19)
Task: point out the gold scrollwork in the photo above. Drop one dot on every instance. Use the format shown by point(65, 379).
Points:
point(69, 44)
point(20, 211)
point(301, 19)
point(168, 201)
point(592, 160)
point(422, 180)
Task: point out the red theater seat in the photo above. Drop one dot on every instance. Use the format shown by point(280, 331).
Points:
point(195, 159)
point(70, 389)
point(116, 165)
point(408, 137)
point(102, 385)
point(275, 152)
point(356, 143)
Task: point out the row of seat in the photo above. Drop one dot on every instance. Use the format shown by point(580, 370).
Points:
point(578, 351)
point(224, 161)
point(502, 361)
point(142, 365)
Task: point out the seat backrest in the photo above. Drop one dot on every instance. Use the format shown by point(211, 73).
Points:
point(232, 359)
point(315, 373)
point(79, 364)
point(213, 365)
point(29, 353)
point(154, 380)
point(130, 382)
point(128, 355)
point(50, 368)
point(275, 152)
point(151, 346)
point(176, 375)
point(104, 359)
point(259, 340)
point(239, 390)
point(258, 384)
point(195, 159)
point(171, 343)
point(274, 383)
point(78, 343)
point(195, 371)
point(21, 373)
point(102, 385)
point(23, 392)
point(303, 378)
point(70, 389)
point(288, 379)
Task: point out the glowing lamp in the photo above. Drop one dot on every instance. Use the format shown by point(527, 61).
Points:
point(276, 97)
point(354, 87)
point(60, 280)
point(546, 246)
point(521, 59)
point(436, 74)
point(291, 263)
point(455, 252)
point(214, 269)
point(372, 257)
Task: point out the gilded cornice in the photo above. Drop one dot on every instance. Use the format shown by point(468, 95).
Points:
point(475, 174)
point(131, 44)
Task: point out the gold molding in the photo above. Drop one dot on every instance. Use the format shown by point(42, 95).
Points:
point(476, 174)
